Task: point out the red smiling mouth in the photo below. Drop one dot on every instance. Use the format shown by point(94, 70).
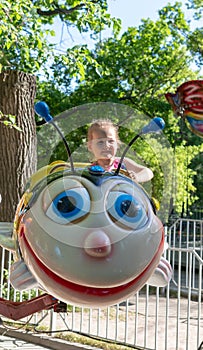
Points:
point(87, 290)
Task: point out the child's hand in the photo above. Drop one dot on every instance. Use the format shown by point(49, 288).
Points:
point(133, 175)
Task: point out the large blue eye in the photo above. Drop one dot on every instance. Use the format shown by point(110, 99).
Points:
point(69, 205)
point(127, 210)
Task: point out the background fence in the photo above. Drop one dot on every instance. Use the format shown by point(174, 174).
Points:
point(154, 318)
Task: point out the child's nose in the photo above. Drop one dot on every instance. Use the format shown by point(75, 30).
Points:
point(107, 144)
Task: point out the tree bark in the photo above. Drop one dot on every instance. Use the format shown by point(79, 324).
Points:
point(18, 151)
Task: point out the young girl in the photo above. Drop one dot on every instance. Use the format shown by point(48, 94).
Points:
point(103, 142)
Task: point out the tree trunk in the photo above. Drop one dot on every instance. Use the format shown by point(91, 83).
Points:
point(18, 151)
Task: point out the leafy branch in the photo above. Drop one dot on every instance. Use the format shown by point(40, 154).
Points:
point(9, 120)
point(59, 10)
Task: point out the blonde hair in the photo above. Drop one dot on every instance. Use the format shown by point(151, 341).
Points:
point(102, 124)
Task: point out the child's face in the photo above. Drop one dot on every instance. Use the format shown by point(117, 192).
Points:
point(103, 144)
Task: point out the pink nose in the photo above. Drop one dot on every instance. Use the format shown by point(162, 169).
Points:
point(97, 244)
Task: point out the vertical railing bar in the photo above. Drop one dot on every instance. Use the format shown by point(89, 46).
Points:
point(52, 321)
point(36, 314)
point(107, 321)
point(186, 253)
point(2, 270)
point(126, 321)
point(146, 315)
point(189, 301)
point(98, 321)
point(81, 319)
point(116, 324)
point(167, 254)
point(136, 316)
point(199, 304)
point(15, 294)
point(21, 296)
point(201, 240)
point(9, 269)
point(156, 317)
point(90, 321)
point(193, 257)
point(174, 244)
point(178, 299)
point(167, 318)
point(73, 317)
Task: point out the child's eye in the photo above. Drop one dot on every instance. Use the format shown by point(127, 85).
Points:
point(100, 143)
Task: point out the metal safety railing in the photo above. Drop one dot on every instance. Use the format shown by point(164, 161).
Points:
point(154, 318)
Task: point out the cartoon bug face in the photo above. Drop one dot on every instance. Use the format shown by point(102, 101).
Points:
point(84, 235)
point(88, 237)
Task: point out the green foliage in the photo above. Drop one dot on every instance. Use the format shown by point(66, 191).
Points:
point(25, 30)
point(9, 120)
point(196, 5)
point(130, 68)
point(195, 44)
point(186, 192)
point(137, 69)
point(22, 39)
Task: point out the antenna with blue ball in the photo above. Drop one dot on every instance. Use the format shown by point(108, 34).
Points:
point(42, 109)
point(155, 125)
